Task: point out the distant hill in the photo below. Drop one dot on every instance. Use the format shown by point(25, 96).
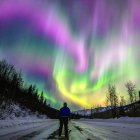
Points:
point(88, 112)
point(131, 110)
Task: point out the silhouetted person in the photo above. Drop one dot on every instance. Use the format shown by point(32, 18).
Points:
point(64, 116)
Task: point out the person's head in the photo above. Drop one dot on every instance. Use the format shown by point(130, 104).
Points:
point(65, 104)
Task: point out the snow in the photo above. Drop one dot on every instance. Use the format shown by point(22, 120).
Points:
point(111, 129)
point(15, 111)
point(87, 112)
point(134, 119)
point(124, 128)
point(20, 123)
point(10, 129)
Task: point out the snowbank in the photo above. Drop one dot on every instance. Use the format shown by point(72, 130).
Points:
point(15, 111)
point(134, 120)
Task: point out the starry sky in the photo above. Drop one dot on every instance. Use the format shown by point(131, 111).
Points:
point(72, 49)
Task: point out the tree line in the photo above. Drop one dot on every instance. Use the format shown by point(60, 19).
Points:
point(12, 89)
point(117, 106)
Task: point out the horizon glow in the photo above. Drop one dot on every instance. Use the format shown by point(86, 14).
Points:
point(72, 50)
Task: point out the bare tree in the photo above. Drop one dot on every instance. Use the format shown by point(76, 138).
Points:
point(135, 96)
point(122, 104)
point(122, 101)
point(112, 99)
point(131, 91)
point(107, 101)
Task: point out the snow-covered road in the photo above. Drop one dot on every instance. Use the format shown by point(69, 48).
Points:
point(78, 130)
point(37, 129)
point(108, 130)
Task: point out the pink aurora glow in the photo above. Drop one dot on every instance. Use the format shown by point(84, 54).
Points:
point(49, 26)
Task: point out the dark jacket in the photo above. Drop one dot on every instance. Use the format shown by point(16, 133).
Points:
point(64, 112)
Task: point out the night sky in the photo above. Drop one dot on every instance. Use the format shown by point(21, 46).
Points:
point(72, 49)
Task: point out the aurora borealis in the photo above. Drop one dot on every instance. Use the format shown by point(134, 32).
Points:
point(72, 49)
